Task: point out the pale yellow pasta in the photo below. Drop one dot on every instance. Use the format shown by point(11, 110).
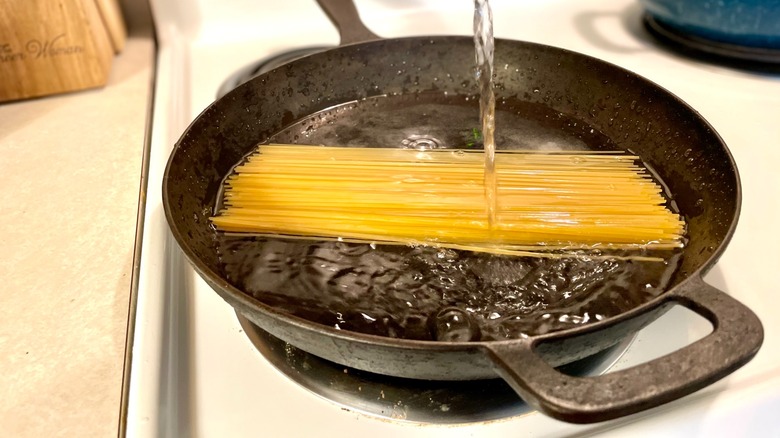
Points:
point(546, 201)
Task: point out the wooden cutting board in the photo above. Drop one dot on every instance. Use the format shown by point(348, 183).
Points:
point(56, 46)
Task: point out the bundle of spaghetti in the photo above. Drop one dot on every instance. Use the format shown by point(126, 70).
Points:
point(546, 200)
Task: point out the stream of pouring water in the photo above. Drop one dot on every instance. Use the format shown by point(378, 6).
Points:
point(483, 41)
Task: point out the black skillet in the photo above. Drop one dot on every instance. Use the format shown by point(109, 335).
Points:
point(631, 111)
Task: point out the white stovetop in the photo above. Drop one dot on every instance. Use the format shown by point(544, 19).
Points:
point(195, 374)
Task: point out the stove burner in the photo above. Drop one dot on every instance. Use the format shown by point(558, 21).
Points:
point(264, 65)
point(751, 58)
point(420, 401)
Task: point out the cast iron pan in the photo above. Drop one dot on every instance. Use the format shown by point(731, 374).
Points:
point(633, 112)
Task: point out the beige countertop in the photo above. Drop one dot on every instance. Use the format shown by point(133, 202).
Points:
point(70, 168)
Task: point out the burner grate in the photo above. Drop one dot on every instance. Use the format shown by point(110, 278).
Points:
point(420, 401)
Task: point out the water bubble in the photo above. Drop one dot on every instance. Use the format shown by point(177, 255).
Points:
point(421, 142)
point(452, 324)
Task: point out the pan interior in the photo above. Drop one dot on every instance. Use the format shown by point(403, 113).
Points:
point(423, 292)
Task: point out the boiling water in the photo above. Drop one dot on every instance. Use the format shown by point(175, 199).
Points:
point(434, 120)
point(484, 48)
point(436, 294)
point(424, 292)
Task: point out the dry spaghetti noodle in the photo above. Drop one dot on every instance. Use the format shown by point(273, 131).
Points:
point(546, 201)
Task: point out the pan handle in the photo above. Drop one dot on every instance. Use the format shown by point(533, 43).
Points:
point(735, 339)
point(344, 15)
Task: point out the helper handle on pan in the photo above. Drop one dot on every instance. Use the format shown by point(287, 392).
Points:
point(344, 16)
point(736, 337)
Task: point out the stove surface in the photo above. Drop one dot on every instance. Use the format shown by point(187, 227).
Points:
point(195, 373)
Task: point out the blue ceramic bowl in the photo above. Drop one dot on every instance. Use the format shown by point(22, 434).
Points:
point(751, 23)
